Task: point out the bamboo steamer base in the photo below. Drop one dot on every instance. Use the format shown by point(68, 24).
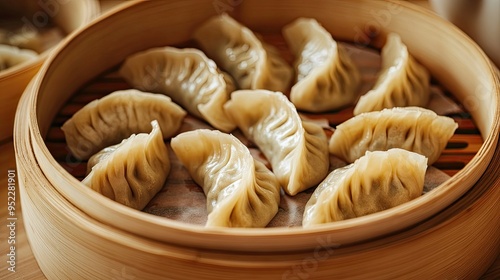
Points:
point(460, 242)
point(76, 234)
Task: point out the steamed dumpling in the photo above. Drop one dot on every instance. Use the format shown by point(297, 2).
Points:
point(411, 128)
point(187, 76)
point(109, 120)
point(133, 171)
point(100, 156)
point(297, 151)
point(12, 56)
point(252, 63)
point(402, 81)
point(326, 77)
point(240, 191)
point(22, 38)
point(375, 182)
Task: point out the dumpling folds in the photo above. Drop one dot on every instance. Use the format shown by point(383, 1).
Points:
point(11, 56)
point(134, 171)
point(375, 182)
point(297, 151)
point(187, 76)
point(101, 155)
point(402, 81)
point(109, 120)
point(252, 63)
point(411, 128)
point(326, 77)
point(240, 191)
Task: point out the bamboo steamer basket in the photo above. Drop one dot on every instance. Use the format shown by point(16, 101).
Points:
point(451, 232)
point(68, 15)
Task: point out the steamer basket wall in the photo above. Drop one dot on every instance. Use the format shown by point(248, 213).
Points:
point(150, 246)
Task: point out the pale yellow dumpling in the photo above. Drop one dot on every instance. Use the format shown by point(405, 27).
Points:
point(326, 77)
point(134, 171)
point(240, 191)
point(375, 182)
point(297, 150)
point(411, 128)
point(109, 120)
point(187, 76)
point(401, 82)
point(236, 49)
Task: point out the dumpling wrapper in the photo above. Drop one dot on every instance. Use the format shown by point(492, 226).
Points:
point(240, 191)
point(411, 128)
point(377, 181)
point(188, 76)
point(297, 150)
point(236, 49)
point(109, 120)
point(401, 82)
point(134, 171)
point(326, 77)
point(11, 56)
point(101, 155)
point(22, 38)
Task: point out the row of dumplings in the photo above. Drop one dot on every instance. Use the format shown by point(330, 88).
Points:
point(326, 79)
point(388, 149)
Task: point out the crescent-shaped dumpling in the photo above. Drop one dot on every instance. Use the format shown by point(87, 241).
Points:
point(240, 191)
point(109, 120)
point(411, 128)
point(402, 80)
point(133, 171)
point(12, 56)
point(326, 77)
point(252, 63)
point(297, 150)
point(375, 182)
point(23, 38)
point(187, 76)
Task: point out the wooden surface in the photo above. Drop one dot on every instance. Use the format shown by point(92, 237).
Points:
point(26, 266)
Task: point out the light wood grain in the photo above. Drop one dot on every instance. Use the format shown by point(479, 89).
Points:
point(26, 265)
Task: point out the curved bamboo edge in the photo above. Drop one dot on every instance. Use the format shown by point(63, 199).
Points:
point(345, 232)
point(460, 242)
point(13, 81)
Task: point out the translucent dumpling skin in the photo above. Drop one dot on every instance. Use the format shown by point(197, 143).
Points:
point(11, 56)
point(375, 182)
point(109, 120)
point(326, 77)
point(411, 128)
point(187, 76)
point(132, 172)
point(401, 82)
point(236, 49)
point(240, 191)
point(297, 150)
